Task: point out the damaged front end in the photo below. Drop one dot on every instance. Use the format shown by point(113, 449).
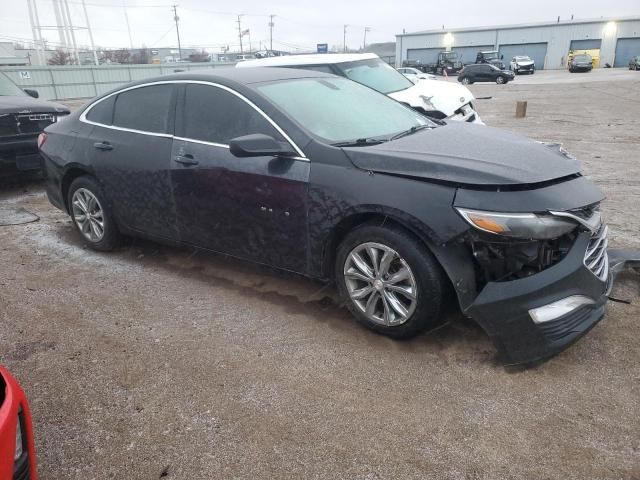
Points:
point(541, 277)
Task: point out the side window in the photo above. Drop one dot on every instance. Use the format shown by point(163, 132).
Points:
point(145, 108)
point(212, 114)
point(102, 112)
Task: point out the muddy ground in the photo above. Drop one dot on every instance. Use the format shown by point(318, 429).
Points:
point(154, 359)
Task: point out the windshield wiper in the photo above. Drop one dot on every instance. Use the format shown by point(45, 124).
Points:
point(360, 142)
point(411, 131)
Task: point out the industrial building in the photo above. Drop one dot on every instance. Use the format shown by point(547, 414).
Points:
point(611, 41)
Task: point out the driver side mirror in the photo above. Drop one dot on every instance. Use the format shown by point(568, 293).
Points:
point(259, 145)
point(31, 93)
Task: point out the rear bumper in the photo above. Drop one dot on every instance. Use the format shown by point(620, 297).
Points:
point(20, 153)
point(15, 407)
point(502, 308)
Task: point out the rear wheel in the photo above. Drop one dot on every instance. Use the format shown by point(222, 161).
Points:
point(500, 80)
point(466, 81)
point(391, 283)
point(91, 214)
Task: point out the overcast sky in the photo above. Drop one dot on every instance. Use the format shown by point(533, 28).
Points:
point(298, 23)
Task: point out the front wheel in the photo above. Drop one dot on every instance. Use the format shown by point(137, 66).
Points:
point(391, 283)
point(466, 81)
point(500, 80)
point(91, 214)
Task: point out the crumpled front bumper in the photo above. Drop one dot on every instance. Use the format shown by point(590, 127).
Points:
point(502, 308)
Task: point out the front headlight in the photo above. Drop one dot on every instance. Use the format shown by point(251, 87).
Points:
point(518, 225)
point(19, 444)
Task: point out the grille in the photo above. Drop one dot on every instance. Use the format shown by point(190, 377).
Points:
point(596, 258)
point(11, 124)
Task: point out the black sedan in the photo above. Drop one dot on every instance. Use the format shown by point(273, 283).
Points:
point(484, 72)
point(580, 63)
point(319, 175)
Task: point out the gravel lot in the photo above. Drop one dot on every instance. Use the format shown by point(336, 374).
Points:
point(154, 358)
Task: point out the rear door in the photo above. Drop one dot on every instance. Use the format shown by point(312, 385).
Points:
point(132, 154)
point(253, 208)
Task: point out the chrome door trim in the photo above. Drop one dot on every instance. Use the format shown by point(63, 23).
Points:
point(83, 116)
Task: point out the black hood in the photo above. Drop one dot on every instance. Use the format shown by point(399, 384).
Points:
point(27, 104)
point(467, 154)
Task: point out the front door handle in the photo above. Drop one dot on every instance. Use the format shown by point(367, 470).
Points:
point(103, 146)
point(186, 160)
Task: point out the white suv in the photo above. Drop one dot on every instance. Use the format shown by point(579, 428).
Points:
point(435, 98)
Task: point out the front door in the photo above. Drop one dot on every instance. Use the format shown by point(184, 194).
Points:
point(254, 208)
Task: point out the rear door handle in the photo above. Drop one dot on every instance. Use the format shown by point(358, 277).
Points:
point(186, 160)
point(103, 146)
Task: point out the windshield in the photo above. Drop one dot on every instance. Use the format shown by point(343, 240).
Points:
point(8, 88)
point(582, 58)
point(376, 74)
point(338, 110)
point(490, 55)
point(523, 59)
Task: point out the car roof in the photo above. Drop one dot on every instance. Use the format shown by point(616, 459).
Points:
point(311, 59)
point(230, 75)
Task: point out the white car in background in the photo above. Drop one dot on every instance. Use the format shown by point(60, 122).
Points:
point(435, 98)
point(522, 64)
point(416, 75)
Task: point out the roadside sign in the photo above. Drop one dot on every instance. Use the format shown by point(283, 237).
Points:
point(322, 47)
point(154, 52)
point(24, 75)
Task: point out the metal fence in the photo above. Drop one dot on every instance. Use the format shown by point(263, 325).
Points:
point(77, 82)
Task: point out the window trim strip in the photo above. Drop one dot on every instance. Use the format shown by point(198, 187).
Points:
point(83, 116)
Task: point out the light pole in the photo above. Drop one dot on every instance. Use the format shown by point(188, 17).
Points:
point(364, 42)
point(344, 39)
point(240, 34)
point(176, 18)
point(271, 32)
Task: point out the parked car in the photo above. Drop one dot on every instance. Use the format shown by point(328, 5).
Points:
point(492, 57)
point(634, 63)
point(22, 118)
point(242, 58)
point(416, 75)
point(436, 99)
point(313, 173)
point(17, 451)
point(580, 63)
point(484, 72)
point(522, 64)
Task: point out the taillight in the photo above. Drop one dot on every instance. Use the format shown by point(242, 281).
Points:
point(41, 139)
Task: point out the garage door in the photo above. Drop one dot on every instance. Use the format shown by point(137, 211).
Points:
point(468, 54)
point(590, 44)
point(424, 55)
point(626, 49)
point(537, 52)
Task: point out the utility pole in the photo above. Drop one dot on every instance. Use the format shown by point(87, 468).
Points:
point(344, 39)
point(126, 19)
point(66, 13)
point(86, 20)
point(176, 18)
point(364, 42)
point(34, 31)
point(271, 32)
point(240, 34)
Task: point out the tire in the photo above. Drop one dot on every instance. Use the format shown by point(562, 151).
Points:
point(500, 80)
point(425, 279)
point(85, 195)
point(466, 81)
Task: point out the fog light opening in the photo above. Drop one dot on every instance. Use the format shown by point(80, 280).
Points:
point(554, 310)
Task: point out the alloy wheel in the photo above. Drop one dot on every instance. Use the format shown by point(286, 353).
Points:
point(88, 214)
point(465, 81)
point(380, 283)
point(500, 80)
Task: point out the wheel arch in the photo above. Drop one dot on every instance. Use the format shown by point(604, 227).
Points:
point(72, 172)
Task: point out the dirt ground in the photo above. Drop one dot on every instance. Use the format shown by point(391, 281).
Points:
point(155, 359)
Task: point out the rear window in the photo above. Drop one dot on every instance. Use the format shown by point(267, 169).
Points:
point(102, 112)
point(146, 108)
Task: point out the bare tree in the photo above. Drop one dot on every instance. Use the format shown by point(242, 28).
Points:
point(60, 57)
point(116, 56)
point(201, 56)
point(143, 55)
